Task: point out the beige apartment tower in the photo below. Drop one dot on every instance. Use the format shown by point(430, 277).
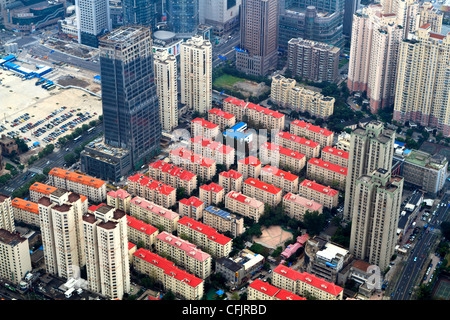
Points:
point(422, 92)
point(167, 89)
point(196, 74)
point(371, 148)
point(376, 209)
point(6, 214)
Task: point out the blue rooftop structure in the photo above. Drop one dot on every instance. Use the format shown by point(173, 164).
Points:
point(401, 144)
point(219, 212)
point(240, 127)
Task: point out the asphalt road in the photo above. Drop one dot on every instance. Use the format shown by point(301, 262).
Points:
point(419, 254)
point(55, 159)
point(225, 50)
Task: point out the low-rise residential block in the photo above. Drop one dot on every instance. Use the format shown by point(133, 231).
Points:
point(174, 176)
point(244, 205)
point(295, 206)
point(262, 191)
point(156, 215)
point(327, 173)
point(324, 195)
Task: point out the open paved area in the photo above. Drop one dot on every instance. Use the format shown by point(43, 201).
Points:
point(273, 237)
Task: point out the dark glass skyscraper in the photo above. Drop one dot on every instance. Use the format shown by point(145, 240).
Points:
point(183, 16)
point(130, 103)
point(140, 12)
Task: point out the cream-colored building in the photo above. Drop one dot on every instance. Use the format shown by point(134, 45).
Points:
point(25, 211)
point(371, 147)
point(141, 233)
point(285, 92)
point(206, 237)
point(94, 189)
point(262, 191)
point(119, 199)
point(282, 157)
point(244, 205)
point(204, 167)
point(154, 214)
point(284, 180)
point(231, 180)
point(165, 71)
point(305, 283)
point(249, 167)
point(256, 114)
point(6, 214)
point(309, 131)
point(324, 195)
point(174, 176)
point(219, 152)
point(375, 212)
point(327, 173)
point(222, 118)
point(335, 156)
point(309, 148)
point(185, 254)
point(223, 221)
point(422, 90)
point(211, 194)
point(295, 206)
point(152, 190)
point(196, 74)
point(181, 283)
point(106, 247)
point(192, 208)
point(16, 260)
point(204, 128)
point(260, 290)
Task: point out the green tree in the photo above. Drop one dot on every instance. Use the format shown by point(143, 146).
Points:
point(314, 222)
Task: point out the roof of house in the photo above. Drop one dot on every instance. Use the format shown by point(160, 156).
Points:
point(318, 187)
point(328, 165)
point(231, 174)
point(283, 150)
point(76, 177)
point(251, 160)
point(311, 127)
point(221, 113)
point(304, 202)
point(245, 199)
point(262, 185)
point(119, 193)
point(336, 152)
point(279, 173)
point(190, 249)
point(192, 201)
point(173, 170)
point(153, 207)
point(140, 225)
point(210, 232)
point(204, 123)
point(297, 139)
point(25, 205)
point(192, 157)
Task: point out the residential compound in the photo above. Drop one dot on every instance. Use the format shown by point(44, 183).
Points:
point(231, 180)
point(215, 150)
point(196, 74)
point(152, 190)
point(250, 112)
point(223, 221)
point(313, 60)
point(262, 191)
point(324, 195)
point(260, 290)
point(244, 205)
point(310, 148)
point(304, 129)
point(191, 207)
point(282, 157)
point(222, 118)
point(285, 92)
point(284, 180)
point(174, 176)
point(156, 215)
point(204, 128)
point(204, 167)
point(295, 206)
point(327, 173)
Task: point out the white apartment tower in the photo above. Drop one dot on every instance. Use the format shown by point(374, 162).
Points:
point(106, 248)
point(60, 215)
point(376, 210)
point(6, 214)
point(196, 74)
point(371, 148)
point(93, 19)
point(166, 87)
point(15, 259)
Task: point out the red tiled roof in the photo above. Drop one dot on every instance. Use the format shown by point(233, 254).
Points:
point(304, 202)
point(231, 174)
point(236, 101)
point(311, 127)
point(173, 170)
point(192, 201)
point(245, 199)
point(211, 187)
point(297, 139)
point(311, 279)
point(251, 160)
point(154, 208)
point(279, 173)
point(210, 232)
point(265, 110)
point(336, 152)
point(75, 177)
point(120, 193)
point(318, 187)
point(140, 225)
point(211, 144)
point(184, 245)
point(42, 188)
point(25, 205)
point(221, 113)
point(205, 123)
point(262, 185)
point(152, 184)
point(328, 165)
point(283, 150)
point(192, 157)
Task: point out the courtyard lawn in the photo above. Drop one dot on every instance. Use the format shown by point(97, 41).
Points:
point(227, 80)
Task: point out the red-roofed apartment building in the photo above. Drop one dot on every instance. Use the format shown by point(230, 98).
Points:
point(205, 236)
point(231, 180)
point(335, 156)
point(23, 211)
point(245, 206)
point(249, 167)
point(204, 167)
point(262, 191)
point(156, 215)
point(295, 206)
point(267, 118)
point(303, 283)
point(211, 194)
point(180, 282)
point(260, 290)
point(315, 133)
point(186, 254)
point(204, 128)
point(152, 190)
point(222, 118)
point(327, 173)
point(324, 195)
point(283, 157)
point(174, 176)
point(219, 152)
point(141, 232)
point(119, 199)
point(192, 208)
point(284, 180)
point(309, 148)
